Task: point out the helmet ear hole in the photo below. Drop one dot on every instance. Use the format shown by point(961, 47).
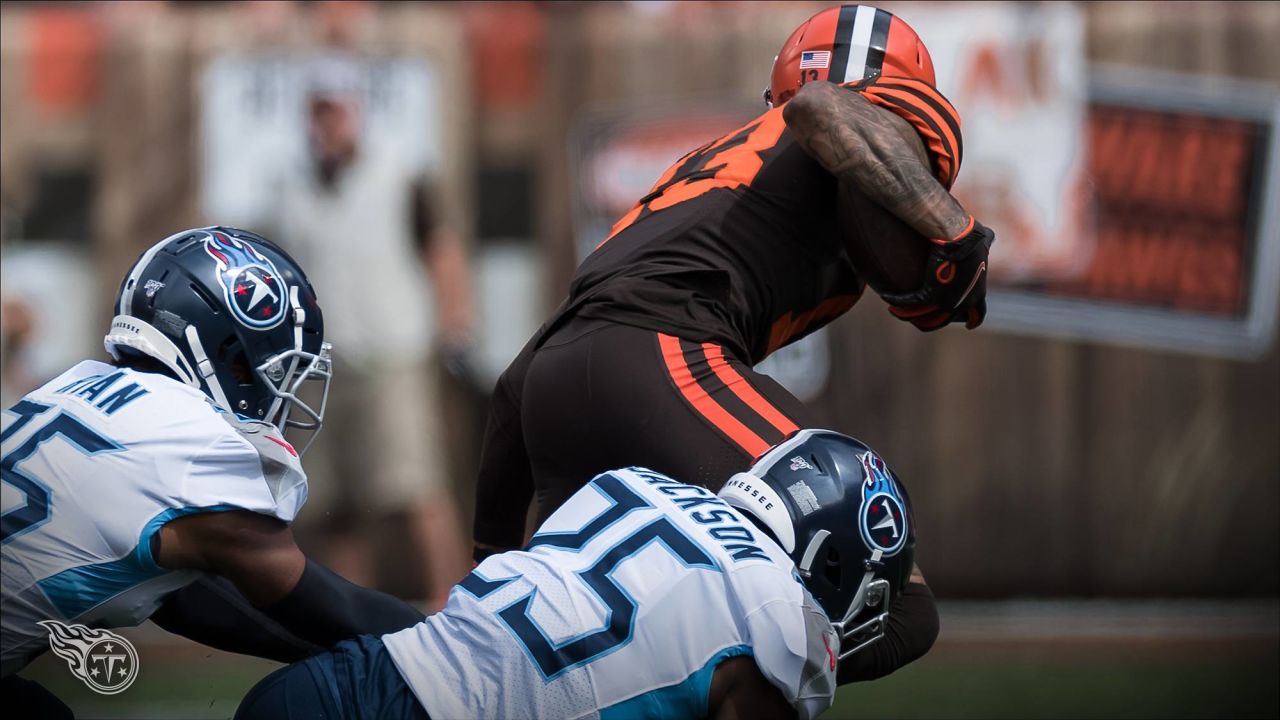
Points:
point(236, 361)
point(240, 370)
point(831, 567)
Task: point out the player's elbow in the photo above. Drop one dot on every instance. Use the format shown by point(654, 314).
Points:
point(924, 625)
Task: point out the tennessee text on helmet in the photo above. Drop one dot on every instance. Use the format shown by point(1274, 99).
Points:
point(851, 43)
point(835, 507)
point(229, 313)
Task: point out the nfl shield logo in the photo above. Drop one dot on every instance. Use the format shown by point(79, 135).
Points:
point(252, 287)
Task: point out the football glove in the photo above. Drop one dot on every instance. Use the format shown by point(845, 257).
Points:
point(955, 286)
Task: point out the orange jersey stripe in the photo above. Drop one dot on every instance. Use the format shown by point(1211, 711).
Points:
point(739, 386)
point(790, 324)
point(740, 434)
point(935, 100)
point(925, 90)
point(939, 142)
point(919, 105)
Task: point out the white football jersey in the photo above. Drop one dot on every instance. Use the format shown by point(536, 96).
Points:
point(621, 607)
point(95, 462)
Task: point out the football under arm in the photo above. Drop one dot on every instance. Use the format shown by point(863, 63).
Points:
point(866, 146)
point(257, 555)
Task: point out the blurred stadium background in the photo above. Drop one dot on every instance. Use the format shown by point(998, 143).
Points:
point(1096, 473)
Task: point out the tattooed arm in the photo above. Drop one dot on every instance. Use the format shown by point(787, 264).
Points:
point(875, 151)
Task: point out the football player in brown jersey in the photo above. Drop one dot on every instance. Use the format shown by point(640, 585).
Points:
point(736, 251)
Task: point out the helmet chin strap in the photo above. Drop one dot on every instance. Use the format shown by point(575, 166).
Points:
point(810, 552)
point(280, 406)
point(207, 372)
point(856, 606)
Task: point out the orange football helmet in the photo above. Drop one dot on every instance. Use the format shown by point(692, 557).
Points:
point(850, 43)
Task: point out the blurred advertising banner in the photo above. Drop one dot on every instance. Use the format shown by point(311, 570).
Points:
point(254, 118)
point(49, 300)
point(1131, 207)
point(1016, 72)
point(617, 150)
point(1185, 184)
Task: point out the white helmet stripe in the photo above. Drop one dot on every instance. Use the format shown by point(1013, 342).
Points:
point(126, 292)
point(768, 459)
point(860, 44)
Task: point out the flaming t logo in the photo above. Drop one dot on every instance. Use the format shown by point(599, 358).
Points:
point(104, 661)
point(251, 285)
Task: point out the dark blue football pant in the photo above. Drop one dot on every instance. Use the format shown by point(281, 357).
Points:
point(355, 680)
point(24, 699)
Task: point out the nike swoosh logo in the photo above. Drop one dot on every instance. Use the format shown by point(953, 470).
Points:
point(982, 268)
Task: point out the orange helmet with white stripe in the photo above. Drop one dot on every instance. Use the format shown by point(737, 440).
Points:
point(845, 44)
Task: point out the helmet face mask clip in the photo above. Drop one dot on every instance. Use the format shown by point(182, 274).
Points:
point(286, 387)
point(862, 629)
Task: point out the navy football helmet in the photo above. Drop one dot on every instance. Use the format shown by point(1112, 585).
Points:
point(844, 518)
point(229, 313)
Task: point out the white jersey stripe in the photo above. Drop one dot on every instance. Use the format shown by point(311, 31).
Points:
point(764, 463)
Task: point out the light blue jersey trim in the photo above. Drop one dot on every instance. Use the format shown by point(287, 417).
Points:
point(76, 590)
point(684, 699)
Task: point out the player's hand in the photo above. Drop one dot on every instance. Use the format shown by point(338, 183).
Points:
point(955, 286)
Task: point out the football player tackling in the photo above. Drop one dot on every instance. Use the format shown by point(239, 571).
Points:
point(737, 251)
point(127, 484)
point(644, 597)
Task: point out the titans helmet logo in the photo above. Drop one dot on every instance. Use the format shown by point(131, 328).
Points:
point(253, 289)
point(882, 518)
point(101, 659)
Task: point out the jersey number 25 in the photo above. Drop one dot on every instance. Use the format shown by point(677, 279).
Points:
point(553, 659)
